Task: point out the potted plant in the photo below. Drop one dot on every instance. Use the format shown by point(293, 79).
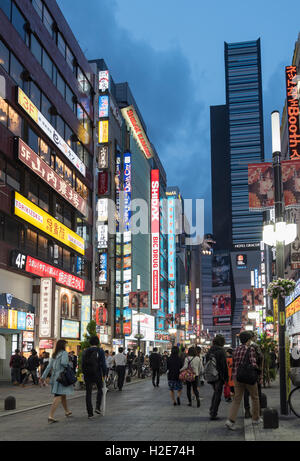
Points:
point(281, 287)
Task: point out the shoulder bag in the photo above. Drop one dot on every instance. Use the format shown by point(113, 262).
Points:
point(67, 377)
point(188, 374)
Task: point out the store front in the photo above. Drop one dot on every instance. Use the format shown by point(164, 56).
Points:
point(147, 329)
point(162, 341)
point(292, 311)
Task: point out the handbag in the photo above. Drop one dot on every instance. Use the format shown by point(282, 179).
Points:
point(188, 375)
point(67, 377)
point(246, 373)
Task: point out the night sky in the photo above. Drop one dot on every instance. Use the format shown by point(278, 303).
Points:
point(172, 55)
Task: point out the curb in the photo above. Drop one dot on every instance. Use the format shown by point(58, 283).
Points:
point(15, 412)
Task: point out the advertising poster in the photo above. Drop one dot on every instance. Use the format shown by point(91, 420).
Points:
point(3, 317)
point(69, 329)
point(12, 319)
point(103, 80)
point(221, 270)
point(102, 235)
point(21, 320)
point(103, 268)
point(292, 104)
point(85, 314)
point(29, 322)
point(221, 305)
point(103, 106)
point(295, 254)
point(253, 297)
point(171, 254)
point(155, 239)
point(127, 321)
point(101, 314)
point(127, 262)
point(260, 186)
point(127, 192)
point(291, 183)
point(103, 131)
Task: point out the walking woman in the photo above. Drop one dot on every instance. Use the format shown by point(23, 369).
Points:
point(58, 362)
point(194, 361)
point(174, 363)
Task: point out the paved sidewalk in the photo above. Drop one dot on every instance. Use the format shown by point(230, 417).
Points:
point(289, 426)
point(31, 396)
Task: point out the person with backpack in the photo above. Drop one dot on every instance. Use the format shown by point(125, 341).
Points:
point(244, 372)
point(193, 365)
point(58, 363)
point(216, 373)
point(229, 385)
point(259, 361)
point(16, 365)
point(155, 363)
point(94, 370)
point(174, 364)
point(33, 363)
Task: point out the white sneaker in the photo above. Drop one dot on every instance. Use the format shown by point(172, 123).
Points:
point(258, 421)
point(230, 425)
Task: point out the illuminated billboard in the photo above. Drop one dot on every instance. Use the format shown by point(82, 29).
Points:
point(103, 131)
point(127, 192)
point(33, 214)
point(139, 134)
point(292, 111)
point(155, 239)
point(171, 255)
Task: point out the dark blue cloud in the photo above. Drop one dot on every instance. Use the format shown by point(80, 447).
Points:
point(163, 87)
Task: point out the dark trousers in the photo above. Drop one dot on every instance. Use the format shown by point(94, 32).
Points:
point(120, 369)
point(88, 396)
point(189, 386)
point(129, 364)
point(155, 374)
point(216, 398)
point(247, 395)
point(16, 375)
point(34, 377)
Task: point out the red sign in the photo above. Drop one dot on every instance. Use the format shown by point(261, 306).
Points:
point(101, 314)
point(292, 111)
point(36, 267)
point(103, 183)
point(38, 166)
point(155, 243)
point(46, 344)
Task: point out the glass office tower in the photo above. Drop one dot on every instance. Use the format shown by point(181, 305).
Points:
point(246, 140)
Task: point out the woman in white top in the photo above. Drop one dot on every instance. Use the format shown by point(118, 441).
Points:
point(195, 364)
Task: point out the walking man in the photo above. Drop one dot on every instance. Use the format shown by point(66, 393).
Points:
point(94, 369)
point(259, 362)
point(239, 388)
point(120, 362)
point(33, 363)
point(15, 365)
point(155, 362)
point(218, 353)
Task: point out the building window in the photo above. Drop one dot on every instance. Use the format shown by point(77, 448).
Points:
point(33, 140)
point(61, 85)
point(44, 151)
point(46, 107)
point(75, 308)
point(67, 260)
point(12, 177)
point(48, 21)
point(4, 56)
point(61, 44)
point(64, 306)
point(38, 6)
point(47, 64)
point(16, 70)
point(44, 198)
point(19, 22)
point(11, 231)
point(31, 241)
point(36, 48)
point(33, 193)
point(3, 112)
point(43, 247)
point(14, 122)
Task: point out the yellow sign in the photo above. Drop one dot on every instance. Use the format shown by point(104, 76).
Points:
point(103, 131)
point(292, 308)
point(12, 319)
point(275, 309)
point(31, 213)
point(27, 105)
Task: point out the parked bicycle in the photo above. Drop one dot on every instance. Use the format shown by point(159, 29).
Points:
point(111, 379)
point(294, 396)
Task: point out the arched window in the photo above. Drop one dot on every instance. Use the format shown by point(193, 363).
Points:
point(64, 306)
point(75, 307)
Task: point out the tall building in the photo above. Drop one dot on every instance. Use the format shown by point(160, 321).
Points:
point(46, 164)
point(236, 140)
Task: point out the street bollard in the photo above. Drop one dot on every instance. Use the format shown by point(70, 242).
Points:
point(10, 403)
point(270, 418)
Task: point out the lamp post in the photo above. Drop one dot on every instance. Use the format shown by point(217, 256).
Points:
point(281, 234)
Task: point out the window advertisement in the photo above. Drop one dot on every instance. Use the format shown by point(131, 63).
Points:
point(70, 329)
point(45, 172)
point(172, 255)
point(48, 129)
point(21, 320)
point(155, 239)
point(85, 315)
point(103, 268)
point(33, 214)
point(103, 131)
point(103, 106)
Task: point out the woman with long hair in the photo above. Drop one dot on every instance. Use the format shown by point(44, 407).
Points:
point(58, 362)
point(174, 363)
point(194, 361)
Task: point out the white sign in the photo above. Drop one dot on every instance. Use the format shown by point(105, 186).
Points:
point(102, 235)
point(102, 209)
point(103, 80)
point(146, 327)
point(45, 307)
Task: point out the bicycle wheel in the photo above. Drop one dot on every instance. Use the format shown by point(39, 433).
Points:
point(294, 401)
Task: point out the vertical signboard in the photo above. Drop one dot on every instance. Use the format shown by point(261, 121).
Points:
point(85, 314)
point(46, 307)
point(292, 112)
point(172, 255)
point(155, 239)
point(127, 192)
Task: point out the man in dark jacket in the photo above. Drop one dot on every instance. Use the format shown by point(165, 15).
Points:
point(15, 364)
point(259, 361)
point(93, 368)
point(33, 363)
point(155, 362)
point(217, 350)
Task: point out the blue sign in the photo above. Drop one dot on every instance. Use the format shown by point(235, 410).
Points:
point(171, 254)
point(21, 320)
point(103, 106)
point(103, 268)
point(256, 285)
point(127, 192)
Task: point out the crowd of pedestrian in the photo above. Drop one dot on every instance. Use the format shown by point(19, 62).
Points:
point(236, 373)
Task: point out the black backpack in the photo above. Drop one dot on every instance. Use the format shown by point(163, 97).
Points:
point(16, 361)
point(90, 362)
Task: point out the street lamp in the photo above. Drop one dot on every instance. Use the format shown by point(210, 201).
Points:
point(281, 233)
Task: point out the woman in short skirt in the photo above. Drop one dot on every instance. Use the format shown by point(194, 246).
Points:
point(174, 363)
